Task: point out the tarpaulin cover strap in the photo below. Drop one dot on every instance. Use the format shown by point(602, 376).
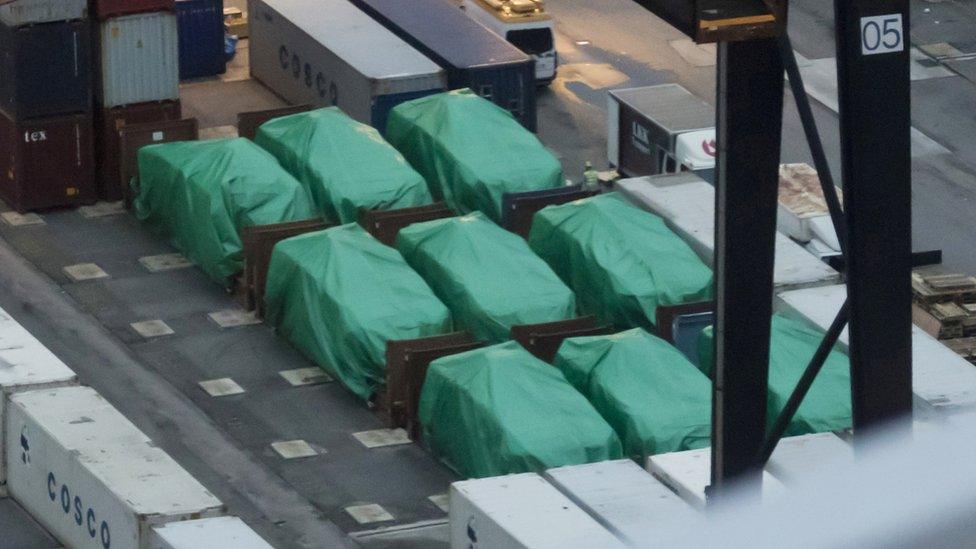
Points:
point(344, 164)
point(487, 276)
point(827, 406)
point(655, 399)
point(471, 151)
point(200, 195)
point(499, 410)
point(622, 262)
point(340, 295)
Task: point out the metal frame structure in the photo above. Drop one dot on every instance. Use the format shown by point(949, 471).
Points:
point(873, 226)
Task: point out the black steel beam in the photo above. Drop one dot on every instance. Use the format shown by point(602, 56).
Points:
point(749, 127)
point(875, 124)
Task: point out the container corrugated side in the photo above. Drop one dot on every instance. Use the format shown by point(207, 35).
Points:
point(32, 12)
point(25, 365)
point(520, 512)
point(139, 59)
point(940, 377)
point(210, 533)
point(300, 68)
point(90, 476)
point(687, 204)
point(105, 9)
point(624, 498)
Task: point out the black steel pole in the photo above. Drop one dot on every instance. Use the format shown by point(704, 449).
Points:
point(749, 127)
point(875, 123)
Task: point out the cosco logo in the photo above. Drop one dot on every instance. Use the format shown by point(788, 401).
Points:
point(35, 137)
point(292, 64)
point(75, 508)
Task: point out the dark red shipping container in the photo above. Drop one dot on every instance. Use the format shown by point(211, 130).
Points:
point(104, 9)
point(46, 162)
point(107, 126)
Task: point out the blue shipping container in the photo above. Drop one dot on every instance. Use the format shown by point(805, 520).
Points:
point(201, 24)
point(45, 70)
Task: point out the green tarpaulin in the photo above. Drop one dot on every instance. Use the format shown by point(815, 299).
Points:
point(654, 398)
point(200, 195)
point(340, 295)
point(499, 410)
point(622, 262)
point(471, 151)
point(344, 165)
point(827, 406)
point(487, 276)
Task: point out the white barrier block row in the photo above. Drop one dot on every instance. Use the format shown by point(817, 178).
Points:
point(521, 512)
point(90, 476)
point(209, 533)
point(940, 377)
point(687, 204)
point(625, 499)
point(25, 365)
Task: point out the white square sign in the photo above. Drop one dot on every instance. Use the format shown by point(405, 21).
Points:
point(882, 34)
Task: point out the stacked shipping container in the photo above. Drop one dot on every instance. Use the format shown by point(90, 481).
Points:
point(45, 104)
point(138, 76)
point(201, 24)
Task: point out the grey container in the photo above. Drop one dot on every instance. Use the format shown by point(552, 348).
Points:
point(328, 52)
point(30, 12)
point(139, 59)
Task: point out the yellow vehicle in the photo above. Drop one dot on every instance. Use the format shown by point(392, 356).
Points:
point(524, 23)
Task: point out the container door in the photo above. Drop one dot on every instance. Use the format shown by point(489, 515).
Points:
point(638, 152)
point(56, 162)
point(53, 74)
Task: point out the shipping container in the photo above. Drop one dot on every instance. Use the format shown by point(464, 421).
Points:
point(521, 512)
point(687, 204)
point(659, 129)
point(45, 70)
point(473, 56)
point(26, 365)
point(940, 377)
point(625, 499)
point(108, 124)
point(798, 458)
point(689, 473)
point(328, 52)
point(46, 162)
point(139, 59)
point(31, 12)
point(91, 477)
point(209, 533)
point(201, 28)
point(105, 9)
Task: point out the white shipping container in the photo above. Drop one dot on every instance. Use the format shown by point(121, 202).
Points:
point(521, 512)
point(25, 365)
point(91, 477)
point(687, 204)
point(798, 458)
point(625, 499)
point(209, 533)
point(328, 52)
point(31, 12)
point(689, 473)
point(140, 59)
point(940, 377)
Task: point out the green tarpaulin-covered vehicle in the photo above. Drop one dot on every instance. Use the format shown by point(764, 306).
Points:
point(339, 296)
point(827, 406)
point(345, 165)
point(487, 276)
point(655, 399)
point(622, 262)
point(499, 410)
point(200, 195)
point(471, 151)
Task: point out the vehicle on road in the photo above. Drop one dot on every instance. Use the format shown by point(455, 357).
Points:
point(524, 23)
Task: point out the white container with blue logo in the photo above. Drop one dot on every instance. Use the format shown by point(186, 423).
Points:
point(90, 476)
point(25, 365)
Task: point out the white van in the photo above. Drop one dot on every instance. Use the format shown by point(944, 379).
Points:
point(524, 23)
